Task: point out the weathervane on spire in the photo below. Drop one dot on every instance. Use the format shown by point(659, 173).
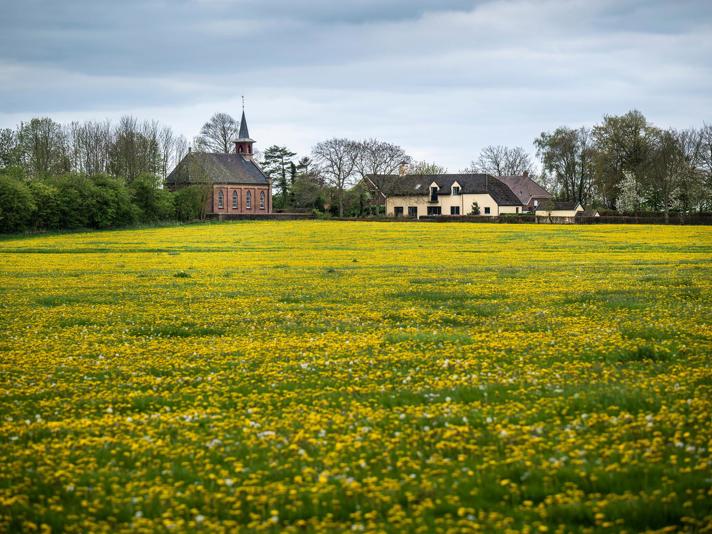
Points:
point(243, 102)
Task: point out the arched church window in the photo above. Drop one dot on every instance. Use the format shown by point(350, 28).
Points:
point(221, 200)
point(248, 200)
point(262, 200)
point(234, 200)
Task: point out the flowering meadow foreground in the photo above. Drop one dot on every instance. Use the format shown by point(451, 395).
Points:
point(291, 376)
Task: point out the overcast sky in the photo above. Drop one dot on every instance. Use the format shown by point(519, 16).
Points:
point(442, 78)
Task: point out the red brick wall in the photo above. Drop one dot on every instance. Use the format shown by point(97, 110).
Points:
point(241, 191)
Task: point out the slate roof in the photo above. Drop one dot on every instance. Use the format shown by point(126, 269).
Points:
point(244, 134)
point(393, 185)
point(559, 206)
point(202, 167)
point(525, 188)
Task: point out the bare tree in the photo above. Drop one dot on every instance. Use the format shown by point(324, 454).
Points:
point(502, 161)
point(666, 166)
point(135, 149)
point(691, 192)
point(218, 134)
point(376, 157)
point(337, 160)
point(90, 144)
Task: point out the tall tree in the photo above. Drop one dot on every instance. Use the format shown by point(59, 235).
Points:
point(337, 160)
point(43, 147)
point(691, 192)
point(135, 149)
point(374, 157)
point(705, 163)
point(218, 134)
point(665, 167)
point(90, 146)
point(621, 147)
point(567, 154)
point(9, 148)
point(277, 164)
point(502, 161)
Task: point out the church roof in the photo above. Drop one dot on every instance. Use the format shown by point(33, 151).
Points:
point(244, 134)
point(393, 185)
point(202, 167)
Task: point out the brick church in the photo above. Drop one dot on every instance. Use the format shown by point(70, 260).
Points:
point(236, 183)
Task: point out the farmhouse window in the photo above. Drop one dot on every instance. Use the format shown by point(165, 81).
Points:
point(221, 200)
point(454, 210)
point(398, 211)
point(487, 211)
point(248, 200)
point(234, 200)
point(412, 211)
point(433, 194)
point(434, 210)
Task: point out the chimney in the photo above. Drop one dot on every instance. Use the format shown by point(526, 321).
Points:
point(403, 168)
point(526, 174)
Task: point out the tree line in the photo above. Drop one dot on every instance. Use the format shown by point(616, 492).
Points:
point(104, 174)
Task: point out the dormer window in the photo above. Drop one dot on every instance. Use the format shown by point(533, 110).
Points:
point(455, 189)
point(433, 193)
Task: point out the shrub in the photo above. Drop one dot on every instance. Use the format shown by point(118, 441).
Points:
point(16, 205)
point(47, 215)
point(112, 205)
point(188, 203)
point(154, 203)
point(77, 201)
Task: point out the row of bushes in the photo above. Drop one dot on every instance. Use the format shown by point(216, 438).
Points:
point(78, 201)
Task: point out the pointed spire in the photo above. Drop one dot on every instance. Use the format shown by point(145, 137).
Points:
point(244, 133)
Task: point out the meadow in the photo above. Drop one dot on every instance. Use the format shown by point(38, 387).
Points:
point(332, 376)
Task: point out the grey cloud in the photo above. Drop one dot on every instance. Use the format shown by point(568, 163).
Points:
point(474, 73)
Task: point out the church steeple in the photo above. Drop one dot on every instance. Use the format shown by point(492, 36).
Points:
point(243, 143)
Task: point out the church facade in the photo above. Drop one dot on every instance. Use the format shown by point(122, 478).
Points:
point(234, 183)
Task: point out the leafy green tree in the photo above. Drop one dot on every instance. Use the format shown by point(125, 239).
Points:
point(9, 149)
point(277, 163)
point(16, 205)
point(567, 154)
point(42, 144)
point(621, 145)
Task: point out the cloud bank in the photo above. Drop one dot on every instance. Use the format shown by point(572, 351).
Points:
point(443, 78)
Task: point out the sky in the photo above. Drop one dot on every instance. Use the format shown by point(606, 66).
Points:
point(441, 78)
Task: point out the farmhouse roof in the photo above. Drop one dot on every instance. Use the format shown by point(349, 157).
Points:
point(203, 167)
point(525, 188)
point(559, 206)
point(393, 185)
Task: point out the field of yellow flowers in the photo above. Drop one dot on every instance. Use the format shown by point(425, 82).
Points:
point(319, 375)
